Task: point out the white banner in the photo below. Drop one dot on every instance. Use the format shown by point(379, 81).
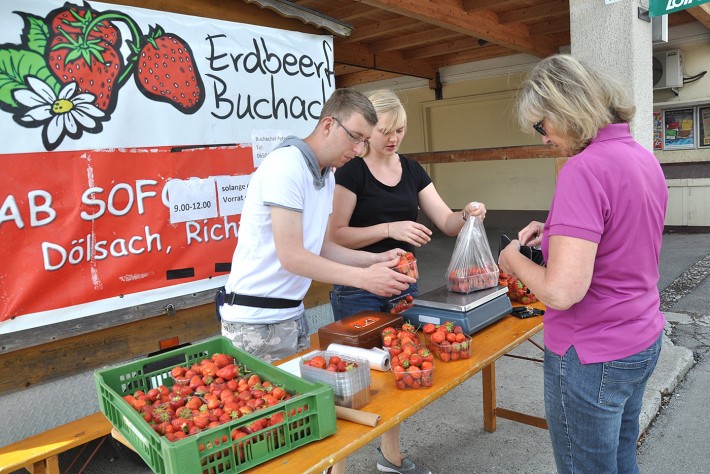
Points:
point(192, 81)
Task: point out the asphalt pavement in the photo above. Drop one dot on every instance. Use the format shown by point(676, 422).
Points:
point(448, 435)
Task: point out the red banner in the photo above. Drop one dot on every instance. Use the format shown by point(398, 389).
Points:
point(83, 226)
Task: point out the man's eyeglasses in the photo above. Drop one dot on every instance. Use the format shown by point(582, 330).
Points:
point(539, 128)
point(353, 138)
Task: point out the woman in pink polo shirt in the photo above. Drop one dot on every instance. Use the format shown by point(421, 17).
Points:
point(601, 242)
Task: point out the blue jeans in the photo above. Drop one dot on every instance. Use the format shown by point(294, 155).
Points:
point(347, 300)
point(593, 410)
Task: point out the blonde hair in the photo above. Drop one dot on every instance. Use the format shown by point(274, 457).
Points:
point(388, 106)
point(576, 99)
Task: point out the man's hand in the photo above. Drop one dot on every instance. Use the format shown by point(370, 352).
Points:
point(381, 280)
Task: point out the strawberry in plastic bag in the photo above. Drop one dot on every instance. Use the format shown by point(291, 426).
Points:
point(472, 266)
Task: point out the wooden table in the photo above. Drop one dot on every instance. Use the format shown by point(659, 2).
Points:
point(394, 405)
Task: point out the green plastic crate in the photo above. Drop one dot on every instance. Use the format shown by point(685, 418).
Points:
point(307, 417)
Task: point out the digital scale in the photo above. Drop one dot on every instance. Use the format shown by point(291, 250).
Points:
point(472, 311)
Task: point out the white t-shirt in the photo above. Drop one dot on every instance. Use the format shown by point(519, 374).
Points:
point(283, 179)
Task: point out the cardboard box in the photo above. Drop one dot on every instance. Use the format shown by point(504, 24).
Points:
point(358, 330)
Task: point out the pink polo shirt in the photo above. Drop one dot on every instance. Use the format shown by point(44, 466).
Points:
point(612, 193)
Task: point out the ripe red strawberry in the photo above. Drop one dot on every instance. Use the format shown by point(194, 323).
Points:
point(166, 71)
point(94, 65)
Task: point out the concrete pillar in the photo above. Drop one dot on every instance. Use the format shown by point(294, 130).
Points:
point(614, 39)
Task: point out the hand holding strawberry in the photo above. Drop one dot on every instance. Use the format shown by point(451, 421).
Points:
point(407, 265)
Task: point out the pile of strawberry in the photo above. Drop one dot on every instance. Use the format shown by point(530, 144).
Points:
point(407, 265)
point(412, 364)
point(334, 363)
point(517, 291)
point(209, 393)
point(402, 304)
point(472, 278)
point(447, 341)
point(396, 340)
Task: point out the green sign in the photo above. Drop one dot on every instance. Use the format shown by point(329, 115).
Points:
point(664, 7)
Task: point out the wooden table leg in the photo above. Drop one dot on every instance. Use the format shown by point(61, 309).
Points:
point(489, 397)
point(45, 466)
point(338, 468)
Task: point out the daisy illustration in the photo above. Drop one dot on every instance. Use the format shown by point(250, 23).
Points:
point(63, 114)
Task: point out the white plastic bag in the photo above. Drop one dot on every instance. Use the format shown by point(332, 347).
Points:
point(472, 266)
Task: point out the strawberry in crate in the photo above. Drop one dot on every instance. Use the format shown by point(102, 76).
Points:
point(208, 393)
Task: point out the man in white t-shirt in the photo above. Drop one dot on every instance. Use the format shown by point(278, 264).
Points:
point(282, 242)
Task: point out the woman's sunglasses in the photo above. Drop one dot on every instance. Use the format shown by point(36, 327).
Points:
point(539, 128)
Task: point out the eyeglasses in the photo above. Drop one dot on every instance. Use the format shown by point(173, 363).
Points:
point(539, 128)
point(353, 138)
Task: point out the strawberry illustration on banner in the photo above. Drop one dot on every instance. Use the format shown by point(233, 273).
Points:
point(166, 71)
point(66, 74)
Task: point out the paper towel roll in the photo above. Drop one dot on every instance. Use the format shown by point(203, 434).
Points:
point(379, 359)
point(357, 416)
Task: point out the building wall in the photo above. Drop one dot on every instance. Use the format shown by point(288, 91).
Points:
point(477, 111)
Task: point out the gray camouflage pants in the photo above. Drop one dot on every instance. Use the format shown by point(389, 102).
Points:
point(269, 342)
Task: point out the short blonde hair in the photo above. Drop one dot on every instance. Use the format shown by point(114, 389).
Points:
point(388, 106)
point(576, 99)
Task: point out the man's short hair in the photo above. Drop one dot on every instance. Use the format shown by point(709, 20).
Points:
point(345, 102)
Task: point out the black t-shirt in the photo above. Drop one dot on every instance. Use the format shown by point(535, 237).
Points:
point(378, 203)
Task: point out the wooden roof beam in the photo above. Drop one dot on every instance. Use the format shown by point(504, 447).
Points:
point(349, 12)
point(474, 5)
point(550, 26)
point(361, 56)
point(441, 49)
point(535, 12)
point(483, 24)
point(363, 33)
point(701, 13)
point(363, 77)
point(485, 52)
point(413, 40)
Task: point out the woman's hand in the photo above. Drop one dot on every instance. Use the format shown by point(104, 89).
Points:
point(506, 254)
point(532, 234)
point(474, 209)
point(389, 256)
point(409, 231)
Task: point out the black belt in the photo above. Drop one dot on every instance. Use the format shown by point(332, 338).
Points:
point(261, 301)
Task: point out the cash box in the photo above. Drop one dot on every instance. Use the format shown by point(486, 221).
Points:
point(358, 330)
